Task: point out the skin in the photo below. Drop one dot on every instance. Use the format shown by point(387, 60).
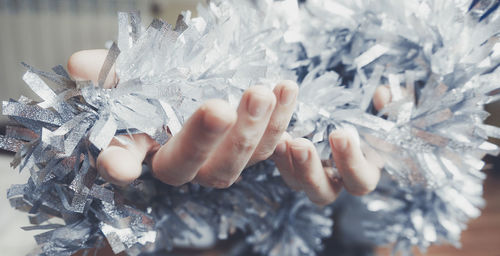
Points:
point(217, 142)
point(301, 167)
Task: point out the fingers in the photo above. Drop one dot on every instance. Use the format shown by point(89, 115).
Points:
point(308, 170)
point(234, 152)
point(286, 95)
point(121, 162)
point(284, 164)
point(85, 65)
point(178, 161)
point(381, 97)
point(358, 175)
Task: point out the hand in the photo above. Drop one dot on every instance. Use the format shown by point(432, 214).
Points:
point(215, 144)
point(301, 168)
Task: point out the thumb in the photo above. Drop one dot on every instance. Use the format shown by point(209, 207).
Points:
point(85, 65)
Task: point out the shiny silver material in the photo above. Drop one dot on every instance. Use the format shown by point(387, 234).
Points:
point(435, 56)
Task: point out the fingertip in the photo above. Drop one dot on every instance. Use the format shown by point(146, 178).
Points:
point(119, 165)
point(282, 159)
point(310, 173)
point(300, 150)
point(358, 175)
point(259, 101)
point(218, 116)
point(281, 147)
point(338, 141)
point(74, 64)
point(86, 64)
point(286, 92)
point(381, 97)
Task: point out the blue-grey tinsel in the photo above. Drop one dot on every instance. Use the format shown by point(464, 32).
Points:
point(439, 58)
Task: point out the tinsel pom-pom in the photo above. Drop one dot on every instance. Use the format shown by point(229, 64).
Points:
point(439, 59)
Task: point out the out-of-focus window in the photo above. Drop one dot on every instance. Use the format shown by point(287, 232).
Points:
point(44, 33)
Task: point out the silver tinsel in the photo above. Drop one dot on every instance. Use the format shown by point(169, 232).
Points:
point(439, 59)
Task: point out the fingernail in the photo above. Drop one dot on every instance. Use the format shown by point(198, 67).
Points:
point(287, 96)
point(339, 142)
point(215, 125)
point(258, 104)
point(300, 155)
point(352, 135)
point(280, 149)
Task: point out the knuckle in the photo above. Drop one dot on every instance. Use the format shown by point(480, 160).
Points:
point(275, 129)
point(193, 153)
point(243, 144)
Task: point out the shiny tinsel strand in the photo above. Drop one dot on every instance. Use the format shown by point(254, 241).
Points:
point(439, 60)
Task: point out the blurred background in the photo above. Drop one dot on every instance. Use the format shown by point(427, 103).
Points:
point(44, 33)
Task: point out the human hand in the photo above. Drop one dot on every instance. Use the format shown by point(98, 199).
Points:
point(215, 144)
point(301, 167)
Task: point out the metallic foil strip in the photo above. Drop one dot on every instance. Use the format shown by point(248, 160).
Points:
point(20, 133)
point(39, 87)
point(134, 118)
point(44, 237)
point(31, 112)
point(370, 55)
point(433, 118)
point(173, 122)
point(41, 227)
point(180, 25)
point(59, 69)
point(10, 144)
point(115, 237)
point(102, 132)
point(102, 193)
point(16, 190)
point(75, 137)
point(371, 122)
point(53, 140)
point(113, 53)
point(39, 218)
point(491, 131)
point(62, 78)
point(20, 204)
point(79, 201)
point(370, 87)
point(129, 29)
